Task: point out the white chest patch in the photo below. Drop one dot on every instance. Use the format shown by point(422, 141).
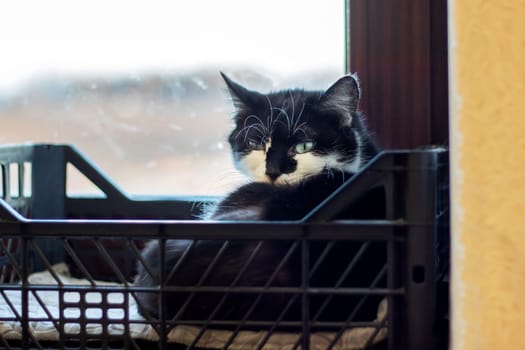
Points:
point(356, 163)
point(248, 213)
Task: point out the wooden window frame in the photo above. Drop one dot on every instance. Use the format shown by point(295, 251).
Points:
point(399, 51)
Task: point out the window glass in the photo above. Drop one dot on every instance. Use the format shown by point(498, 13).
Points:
point(136, 85)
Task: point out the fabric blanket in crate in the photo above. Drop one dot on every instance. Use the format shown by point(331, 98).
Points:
point(42, 326)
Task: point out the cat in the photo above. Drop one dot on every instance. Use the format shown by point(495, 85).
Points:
point(298, 147)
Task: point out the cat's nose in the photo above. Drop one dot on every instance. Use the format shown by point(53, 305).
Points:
point(272, 174)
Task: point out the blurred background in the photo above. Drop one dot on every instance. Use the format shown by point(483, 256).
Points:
point(136, 85)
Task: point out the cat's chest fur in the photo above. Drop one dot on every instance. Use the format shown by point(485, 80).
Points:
point(296, 146)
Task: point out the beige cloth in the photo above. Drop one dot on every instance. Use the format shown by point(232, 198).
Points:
point(212, 339)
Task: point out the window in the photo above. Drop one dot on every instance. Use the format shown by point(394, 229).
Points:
point(136, 85)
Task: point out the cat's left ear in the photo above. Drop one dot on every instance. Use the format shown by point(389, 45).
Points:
point(343, 95)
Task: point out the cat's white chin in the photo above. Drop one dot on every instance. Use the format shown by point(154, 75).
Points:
point(287, 179)
point(253, 165)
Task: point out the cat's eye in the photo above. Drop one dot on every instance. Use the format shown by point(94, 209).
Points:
point(303, 147)
point(255, 145)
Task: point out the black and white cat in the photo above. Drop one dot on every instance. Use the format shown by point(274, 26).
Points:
point(298, 147)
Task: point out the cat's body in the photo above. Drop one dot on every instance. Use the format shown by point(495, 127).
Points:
point(298, 147)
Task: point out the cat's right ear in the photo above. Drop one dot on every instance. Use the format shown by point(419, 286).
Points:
point(242, 97)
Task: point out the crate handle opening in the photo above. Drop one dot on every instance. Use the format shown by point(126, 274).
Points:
point(78, 185)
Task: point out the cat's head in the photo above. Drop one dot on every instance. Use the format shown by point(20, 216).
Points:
point(285, 136)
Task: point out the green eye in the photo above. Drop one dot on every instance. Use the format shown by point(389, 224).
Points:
point(256, 146)
point(304, 147)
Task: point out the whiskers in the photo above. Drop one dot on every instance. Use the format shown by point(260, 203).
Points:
point(331, 172)
point(218, 185)
point(291, 122)
point(299, 127)
point(285, 117)
point(258, 125)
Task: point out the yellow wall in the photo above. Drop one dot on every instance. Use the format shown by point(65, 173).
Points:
point(487, 86)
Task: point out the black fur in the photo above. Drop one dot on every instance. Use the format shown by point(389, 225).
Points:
point(294, 202)
point(330, 121)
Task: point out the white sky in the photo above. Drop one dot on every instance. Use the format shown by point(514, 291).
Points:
point(101, 36)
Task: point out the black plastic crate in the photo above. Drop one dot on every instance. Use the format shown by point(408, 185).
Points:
point(100, 239)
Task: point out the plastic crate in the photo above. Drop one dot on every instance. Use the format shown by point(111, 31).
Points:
point(100, 238)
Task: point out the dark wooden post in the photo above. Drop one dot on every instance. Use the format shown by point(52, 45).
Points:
point(399, 50)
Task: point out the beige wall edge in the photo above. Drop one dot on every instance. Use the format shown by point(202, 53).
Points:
point(487, 126)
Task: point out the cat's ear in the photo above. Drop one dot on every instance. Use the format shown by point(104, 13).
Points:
point(343, 95)
point(242, 97)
